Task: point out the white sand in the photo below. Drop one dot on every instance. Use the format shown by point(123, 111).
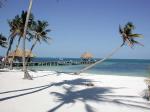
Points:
point(59, 92)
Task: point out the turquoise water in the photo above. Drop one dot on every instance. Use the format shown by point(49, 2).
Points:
point(127, 67)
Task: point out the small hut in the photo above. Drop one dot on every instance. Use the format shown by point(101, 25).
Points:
point(18, 54)
point(86, 56)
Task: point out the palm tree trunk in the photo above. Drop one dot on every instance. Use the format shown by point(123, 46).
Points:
point(26, 74)
point(27, 59)
point(100, 61)
point(11, 63)
point(10, 43)
point(9, 47)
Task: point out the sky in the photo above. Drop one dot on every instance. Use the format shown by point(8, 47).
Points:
point(79, 26)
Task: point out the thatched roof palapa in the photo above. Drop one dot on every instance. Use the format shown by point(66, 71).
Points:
point(19, 53)
point(86, 55)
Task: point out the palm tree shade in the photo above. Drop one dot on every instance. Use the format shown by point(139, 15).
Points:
point(128, 38)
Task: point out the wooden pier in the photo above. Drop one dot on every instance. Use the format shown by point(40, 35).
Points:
point(53, 63)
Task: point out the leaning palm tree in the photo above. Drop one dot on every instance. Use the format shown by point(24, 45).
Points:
point(3, 41)
point(39, 33)
point(128, 38)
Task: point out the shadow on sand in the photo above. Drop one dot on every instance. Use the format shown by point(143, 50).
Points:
point(70, 96)
point(96, 94)
point(32, 90)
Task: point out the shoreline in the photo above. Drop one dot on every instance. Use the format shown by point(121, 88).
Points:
point(61, 92)
point(87, 73)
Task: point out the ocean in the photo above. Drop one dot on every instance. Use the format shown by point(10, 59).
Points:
point(123, 67)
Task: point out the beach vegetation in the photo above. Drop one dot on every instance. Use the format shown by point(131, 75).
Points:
point(147, 91)
point(147, 81)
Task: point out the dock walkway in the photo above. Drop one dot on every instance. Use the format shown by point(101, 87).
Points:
point(53, 63)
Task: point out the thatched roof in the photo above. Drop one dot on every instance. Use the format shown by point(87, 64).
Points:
point(19, 53)
point(86, 55)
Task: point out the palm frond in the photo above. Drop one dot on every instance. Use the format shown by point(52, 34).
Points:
point(135, 35)
point(127, 35)
point(48, 30)
point(3, 41)
point(130, 25)
point(135, 42)
point(120, 29)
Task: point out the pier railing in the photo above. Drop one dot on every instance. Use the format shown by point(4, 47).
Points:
point(52, 63)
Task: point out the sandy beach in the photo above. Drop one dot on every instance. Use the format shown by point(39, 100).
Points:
point(82, 56)
point(51, 91)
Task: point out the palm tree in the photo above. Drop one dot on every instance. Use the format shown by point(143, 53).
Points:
point(128, 38)
point(3, 41)
point(16, 28)
point(26, 74)
point(39, 33)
